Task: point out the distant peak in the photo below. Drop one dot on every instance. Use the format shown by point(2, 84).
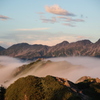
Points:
point(84, 41)
point(39, 45)
point(63, 43)
point(98, 41)
point(19, 45)
point(22, 44)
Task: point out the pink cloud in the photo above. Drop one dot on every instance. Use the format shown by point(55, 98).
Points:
point(68, 24)
point(56, 9)
point(75, 20)
point(78, 20)
point(52, 20)
point(4, 17)
point(69, 19)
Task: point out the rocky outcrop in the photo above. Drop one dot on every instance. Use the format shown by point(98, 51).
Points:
point(82, 79)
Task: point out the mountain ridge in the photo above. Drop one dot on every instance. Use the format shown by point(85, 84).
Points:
point(53, 88)
point(78, 48)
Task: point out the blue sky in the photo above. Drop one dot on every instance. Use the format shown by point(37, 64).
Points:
point(48, 22)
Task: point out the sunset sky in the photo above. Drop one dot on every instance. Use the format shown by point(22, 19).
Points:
point(48, 22)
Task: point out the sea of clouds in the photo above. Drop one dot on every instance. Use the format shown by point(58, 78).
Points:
point(71, 68)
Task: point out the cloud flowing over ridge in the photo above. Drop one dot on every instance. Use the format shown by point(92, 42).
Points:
point(7, 66)
point(71, 68)
point(85, 66)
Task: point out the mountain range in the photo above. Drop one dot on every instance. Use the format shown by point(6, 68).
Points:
point(27, 51)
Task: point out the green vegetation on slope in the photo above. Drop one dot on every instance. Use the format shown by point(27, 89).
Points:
point(35, 88)
point(53, 88)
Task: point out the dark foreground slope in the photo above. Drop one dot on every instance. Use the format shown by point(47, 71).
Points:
point(53, 88)
point(2, 92)
point(79, 48)
point(1, 48)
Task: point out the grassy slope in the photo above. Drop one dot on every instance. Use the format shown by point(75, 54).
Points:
point(35, 88)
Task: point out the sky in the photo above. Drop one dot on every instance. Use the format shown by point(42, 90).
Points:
point(48, 22)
